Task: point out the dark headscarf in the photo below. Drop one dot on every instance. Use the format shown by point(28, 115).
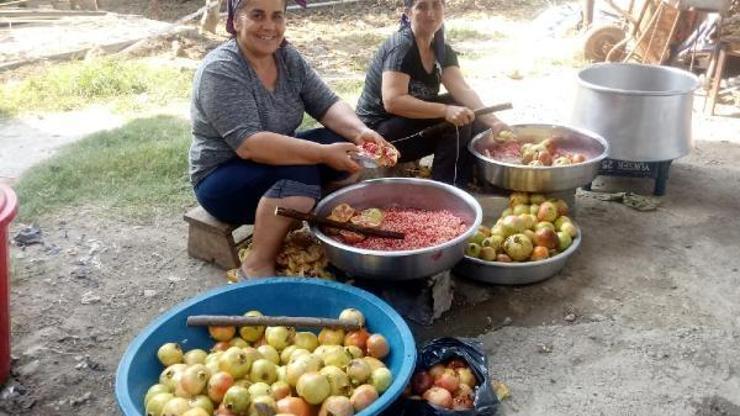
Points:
point(233, 5)
point(438, 42)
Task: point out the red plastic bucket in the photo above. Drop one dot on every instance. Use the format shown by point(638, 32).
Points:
point(8, 209)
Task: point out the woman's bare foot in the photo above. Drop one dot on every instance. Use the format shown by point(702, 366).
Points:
point(251, 269)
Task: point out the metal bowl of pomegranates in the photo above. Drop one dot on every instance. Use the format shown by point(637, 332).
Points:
point(428, 196)
point(569, 157)
point(140, 366)
point(515, 273)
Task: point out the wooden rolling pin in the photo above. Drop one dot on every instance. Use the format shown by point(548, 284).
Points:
point(296, 321)
point(315, 219)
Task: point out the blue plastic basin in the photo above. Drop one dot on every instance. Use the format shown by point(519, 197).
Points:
point(139, 368)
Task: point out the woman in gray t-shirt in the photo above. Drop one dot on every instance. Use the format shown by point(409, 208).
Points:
point(249, 97)
point(401, 94)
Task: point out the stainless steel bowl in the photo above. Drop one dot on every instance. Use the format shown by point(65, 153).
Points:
point(525, 178)
point(499, 273)
point(408, 193)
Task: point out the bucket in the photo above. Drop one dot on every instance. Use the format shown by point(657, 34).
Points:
point(8, 209)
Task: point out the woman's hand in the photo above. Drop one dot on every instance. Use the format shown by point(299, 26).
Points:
point(497, 126)
point(337, 156)
point(369, 135)
point(458, 115)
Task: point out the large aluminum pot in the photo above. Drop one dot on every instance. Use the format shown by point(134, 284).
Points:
point(407, 193)
point(643, 111)
point(526, 178)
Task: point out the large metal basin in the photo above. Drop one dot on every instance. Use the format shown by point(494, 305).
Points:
point(407, 193)
point(514, 273)
point(525, 178)
point(643, 111)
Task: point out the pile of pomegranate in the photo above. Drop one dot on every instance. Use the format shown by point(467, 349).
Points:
point(384, 156)
point(256, 371)
point(450, 385)
point(510, 149)
point(421, 228)
point(532, 228)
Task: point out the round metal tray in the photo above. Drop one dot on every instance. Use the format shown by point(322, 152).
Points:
point(499, 273)
point(544, 179)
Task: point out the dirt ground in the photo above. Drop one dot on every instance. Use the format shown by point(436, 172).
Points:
point(644, 319)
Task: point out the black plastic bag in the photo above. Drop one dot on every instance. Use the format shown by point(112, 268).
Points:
point(441, 350)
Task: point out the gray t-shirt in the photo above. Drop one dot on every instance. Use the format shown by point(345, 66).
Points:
point(230, 103)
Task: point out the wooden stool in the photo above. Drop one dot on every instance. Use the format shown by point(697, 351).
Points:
point(716, 71)
point(212, 240)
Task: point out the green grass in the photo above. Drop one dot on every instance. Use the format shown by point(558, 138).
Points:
point(139, 169)
point(128, 85)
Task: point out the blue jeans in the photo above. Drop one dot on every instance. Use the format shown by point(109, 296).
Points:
point(232, 191)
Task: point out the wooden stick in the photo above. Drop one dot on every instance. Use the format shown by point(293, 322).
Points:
point(302, 322)
point(314, 219)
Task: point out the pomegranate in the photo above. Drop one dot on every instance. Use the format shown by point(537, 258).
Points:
point(448, 380)
point(195, 356)
point(564, 240)
point(534, 209)
point(381, 379)
point(336, 406)
point(373, 363)
point(223, 411)
point(280, 389)
point(171, 375)
point(358, 371)
point(237, 399)
point(294, 406)
point(238, 342)
point(175, 407)
point(537, 199)
point(342, 213)
point(259, 389)
point(279, 337)
point(218, 384)
point(252, 333)
point(357, 338)
point(338, 357)
point(518, 198)
point(295, 369)
point(548, 212)
point(504, 258)
point(355, 352)
point(578, 158)
point(569, 229)
point(193, 380)
point(439, 397)
point(472, 250)
point(306, 340)
point(363, 396)
point(170, 353)
point(270, 353)
point(560, 221)
point(487, 253)
point(155, 390)
point(544, 224)
point(263, 370)
point(539, 253)
point(222, 333)
point(285, 355)
point(512, 224)
point(520, 209)
point(330, 336)
point(262, 406)
point(529, 220)
point(463, 398)
point(561, 161)
point(518, 247)
point(338, 380)
point(221, 346)
point(437, 370)
point(562, 207)
point(545, 158)
point(156, 403)
point(202, 401)
point(377, 346)
point(421, 382)
point(466, 376)
point(313, 387)
point(546, 237)
point(235, 361)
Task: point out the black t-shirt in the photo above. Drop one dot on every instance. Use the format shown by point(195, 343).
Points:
point(400, 53)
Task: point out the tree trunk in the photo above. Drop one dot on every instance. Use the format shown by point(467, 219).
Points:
point(211, 16)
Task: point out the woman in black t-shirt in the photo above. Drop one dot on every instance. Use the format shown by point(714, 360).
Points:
point(401, 94)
